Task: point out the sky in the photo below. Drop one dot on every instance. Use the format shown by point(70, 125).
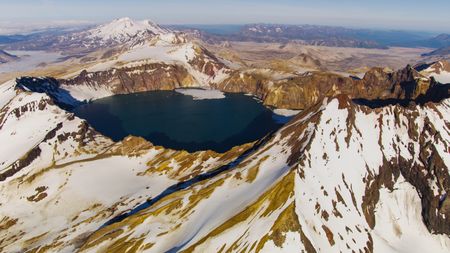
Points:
point(420, 15)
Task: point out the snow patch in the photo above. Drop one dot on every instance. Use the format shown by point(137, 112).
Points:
point(399, 226)
point(443, 77)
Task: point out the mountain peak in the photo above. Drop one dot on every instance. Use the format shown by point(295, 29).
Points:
point(122, 29)
point(123, 19)
point(123, 22)
point(443, 36)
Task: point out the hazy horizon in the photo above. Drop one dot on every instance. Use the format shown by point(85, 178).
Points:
point(23, 28)
point(411, 15)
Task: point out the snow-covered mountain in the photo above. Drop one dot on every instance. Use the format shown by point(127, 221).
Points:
point(124, 29)
point(165, 61)
point(118, 32)
point(339, 177)
point(121, 32)
point(440, 70)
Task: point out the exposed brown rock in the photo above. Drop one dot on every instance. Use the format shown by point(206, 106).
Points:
point(206, 62)
point(21, 163)
point(146, 77)
point(40, 194)
point(305, 90)
point(298, 92)
point(329, 234)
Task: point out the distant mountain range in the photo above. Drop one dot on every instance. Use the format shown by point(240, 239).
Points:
point(318, 35)
point(441, 53)
point(120, 29)
point(442, 40)
point(6, 57)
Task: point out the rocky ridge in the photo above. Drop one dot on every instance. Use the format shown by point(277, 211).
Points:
point(297, 92)
point(303, 91)
point(439, 70)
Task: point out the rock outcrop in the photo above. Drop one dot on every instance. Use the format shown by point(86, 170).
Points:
point(148, 77)
point(297, 92)
point(307, 89)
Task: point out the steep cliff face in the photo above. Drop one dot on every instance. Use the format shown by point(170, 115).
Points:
point(297, 92)
point(305, 90)
point(245, 82)
point(406, 83)
point(339, 177)
point(148, 77)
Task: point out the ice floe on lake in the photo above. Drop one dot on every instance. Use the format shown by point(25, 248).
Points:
point(286, 112)
point(200, 94)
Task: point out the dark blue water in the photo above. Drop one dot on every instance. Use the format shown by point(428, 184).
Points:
point(177, 121)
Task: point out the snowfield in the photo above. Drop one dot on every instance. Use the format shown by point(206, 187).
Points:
point(443, 77)
point(440, 70)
